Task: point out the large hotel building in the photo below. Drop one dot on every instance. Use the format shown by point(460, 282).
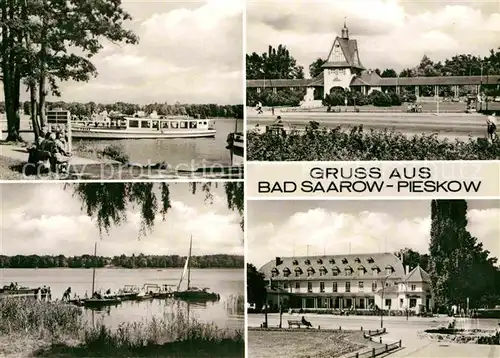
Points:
point(344, 282)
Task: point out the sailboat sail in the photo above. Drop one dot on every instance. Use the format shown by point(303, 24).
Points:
point(186, 265)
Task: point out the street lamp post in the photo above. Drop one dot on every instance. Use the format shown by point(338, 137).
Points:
point(384, 281)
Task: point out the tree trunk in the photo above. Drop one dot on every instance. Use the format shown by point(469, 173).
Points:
point(42, 95)
point(33, 110)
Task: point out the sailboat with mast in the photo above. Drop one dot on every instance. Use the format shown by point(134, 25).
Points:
point(97, 301)
point(193, 293)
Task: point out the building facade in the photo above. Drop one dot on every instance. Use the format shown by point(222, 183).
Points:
point(343, 69)
point(343, 282)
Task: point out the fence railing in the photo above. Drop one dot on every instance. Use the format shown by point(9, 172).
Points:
point(386, 348)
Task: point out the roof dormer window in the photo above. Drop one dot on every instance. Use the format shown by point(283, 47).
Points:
point(348, 271)
point(361, 270)
point(298, 272)
point(310, 271)
point(357, 260)
point(307, 262)
point(370, 260)
point(375, 270)
point(275, 272)
point(332, 262)
point(322, 271)
point(344, 261)
point(295, 262)
point(389, 270)
point(286, 272)
point(319, 261)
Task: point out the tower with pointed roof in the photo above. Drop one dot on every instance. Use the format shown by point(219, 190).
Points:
point(342, 63)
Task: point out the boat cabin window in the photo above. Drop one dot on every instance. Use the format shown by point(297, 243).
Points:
point(156, 124)
point(192, 125)
point(205, 123)
point(174, 124)
point(184, 124)
point(164, 124)
point(145, 124)
point(133, 124)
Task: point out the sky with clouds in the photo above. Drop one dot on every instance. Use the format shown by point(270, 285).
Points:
point(46, 219)
point(286, 228)
point(390, 34)
point(189, 51)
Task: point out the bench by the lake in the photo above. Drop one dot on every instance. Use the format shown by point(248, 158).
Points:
point(292, 323)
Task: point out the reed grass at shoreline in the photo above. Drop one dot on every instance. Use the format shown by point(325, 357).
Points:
point(56, 329)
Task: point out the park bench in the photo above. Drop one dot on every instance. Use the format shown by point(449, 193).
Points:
point(37, 156)
point(292, 323)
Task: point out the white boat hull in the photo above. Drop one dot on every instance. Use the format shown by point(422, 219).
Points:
point(104, 133)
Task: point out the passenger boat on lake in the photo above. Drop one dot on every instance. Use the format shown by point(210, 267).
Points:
point(138, 127)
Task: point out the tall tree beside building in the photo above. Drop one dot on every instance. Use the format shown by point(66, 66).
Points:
point(315, 68)
point(277, 63)
point(256, 287)
point(459, 267)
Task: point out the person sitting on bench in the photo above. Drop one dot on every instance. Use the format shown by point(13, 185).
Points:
point(306, 322)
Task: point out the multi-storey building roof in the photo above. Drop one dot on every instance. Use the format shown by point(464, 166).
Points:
point(352, 266)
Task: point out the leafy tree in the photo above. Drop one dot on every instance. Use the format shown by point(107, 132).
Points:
point(107, 202)
point(459, 266)
point(315, 67)
point(256, 287)
point(277, 63)
point(413, 258)
point(389, 72)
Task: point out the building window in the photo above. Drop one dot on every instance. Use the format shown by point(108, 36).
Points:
point(258, 89)
point(309, 287)
point(322, 271)
point(400, 302)
point(310, 271)
point(332, 262)
point(387, 302)
point(360, 284)
point(413, 302)
point(357, 260)
point(286, 272)
point(348, 271)
point(297, 285)
point(347, 287)
point(295, 262)
point(319, 261)
point(285, 285)
point(389, 270)
point(370, 260)
point(374, 286)
point(274, 272)
point(321, 287)
point(413, 287)
point(361, 271)
point(344, 261)
point(307, 262)
point(298, 272)
point(334, 287)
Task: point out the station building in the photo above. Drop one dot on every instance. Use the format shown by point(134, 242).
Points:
point(343, 69)
point(344, 282)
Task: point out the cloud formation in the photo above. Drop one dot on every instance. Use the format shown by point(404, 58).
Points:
point(31, 223)
point(317, 230)
point(189, 52)
point(390, 34)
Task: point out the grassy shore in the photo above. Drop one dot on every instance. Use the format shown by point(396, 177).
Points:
point(31, 328)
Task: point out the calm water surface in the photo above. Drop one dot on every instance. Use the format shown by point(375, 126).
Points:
point(178, 150)
point(226, 282)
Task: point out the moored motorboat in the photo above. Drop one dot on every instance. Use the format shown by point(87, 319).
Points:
point(235, 144)
point(101, 302)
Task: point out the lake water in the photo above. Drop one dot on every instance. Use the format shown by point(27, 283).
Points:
point(178, 150)
point(225, 282)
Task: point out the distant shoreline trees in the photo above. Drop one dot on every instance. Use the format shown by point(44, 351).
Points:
point(163, 109)
point(123, 261)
